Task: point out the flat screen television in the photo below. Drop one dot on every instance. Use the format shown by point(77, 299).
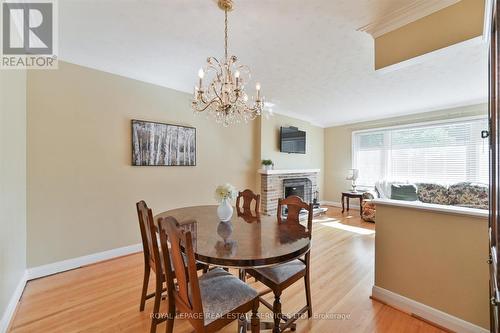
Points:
point(292, 140)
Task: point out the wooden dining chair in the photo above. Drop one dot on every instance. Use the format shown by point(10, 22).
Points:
point(247, 196)
point(152, 262)
point(280, 277)
point(210, 301)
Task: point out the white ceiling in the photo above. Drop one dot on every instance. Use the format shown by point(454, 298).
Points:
point(307, 55)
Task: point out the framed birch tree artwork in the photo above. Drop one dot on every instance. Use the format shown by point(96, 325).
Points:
point(157, 144)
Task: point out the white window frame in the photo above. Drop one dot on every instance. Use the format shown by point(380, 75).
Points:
point(403, 126)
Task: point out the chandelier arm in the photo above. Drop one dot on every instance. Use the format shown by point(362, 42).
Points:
point(216, 94)
point(214, 59)
point(202, 98)
point(206, 106)
point(212, 65)
point(251, 110)
point(217, 69)
point(237, 98)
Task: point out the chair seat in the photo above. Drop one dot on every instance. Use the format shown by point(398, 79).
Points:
point(222, 293)
point(281, 273)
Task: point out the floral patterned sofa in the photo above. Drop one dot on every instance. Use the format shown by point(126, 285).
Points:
point(465, 194)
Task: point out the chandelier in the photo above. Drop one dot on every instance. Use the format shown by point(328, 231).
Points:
point(221, 86)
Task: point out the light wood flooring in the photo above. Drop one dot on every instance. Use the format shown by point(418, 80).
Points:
point(104, 297)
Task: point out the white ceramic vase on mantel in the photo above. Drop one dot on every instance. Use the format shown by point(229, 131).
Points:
point(225, 210)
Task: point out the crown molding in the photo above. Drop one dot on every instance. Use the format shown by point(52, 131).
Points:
point(414, 11)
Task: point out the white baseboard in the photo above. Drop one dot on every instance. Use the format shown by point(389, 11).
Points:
point(338, 204)
point(433, 315)
point(65, 265)
point(12, 305)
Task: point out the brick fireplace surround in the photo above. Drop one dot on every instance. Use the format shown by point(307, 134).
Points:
point(272, 185)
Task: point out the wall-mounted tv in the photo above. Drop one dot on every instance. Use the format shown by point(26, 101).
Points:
point(292, 140)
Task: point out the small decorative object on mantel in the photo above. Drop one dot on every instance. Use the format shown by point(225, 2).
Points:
point(224, 194)
point(353, 175)
point(267, 164)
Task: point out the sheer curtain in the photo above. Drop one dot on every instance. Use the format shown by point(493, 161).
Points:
point(442, 152)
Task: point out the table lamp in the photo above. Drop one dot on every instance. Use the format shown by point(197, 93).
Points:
point(352, 175)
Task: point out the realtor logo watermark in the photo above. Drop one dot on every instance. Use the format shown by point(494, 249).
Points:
point(29, 34)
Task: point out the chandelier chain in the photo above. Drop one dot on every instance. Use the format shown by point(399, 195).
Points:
point(225, 33)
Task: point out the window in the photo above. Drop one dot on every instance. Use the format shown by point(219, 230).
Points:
point(441, 152)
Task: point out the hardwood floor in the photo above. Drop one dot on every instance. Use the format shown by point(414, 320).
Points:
point(104, 297)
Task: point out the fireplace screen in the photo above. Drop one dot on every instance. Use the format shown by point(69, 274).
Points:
point(301, 187)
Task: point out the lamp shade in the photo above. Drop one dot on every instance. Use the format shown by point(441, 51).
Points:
point(352, 174)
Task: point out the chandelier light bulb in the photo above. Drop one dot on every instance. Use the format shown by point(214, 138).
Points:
point(257, 87)
point(201, 73)
point(237, 74)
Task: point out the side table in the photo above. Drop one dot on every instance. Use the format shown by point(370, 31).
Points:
point(348, 195)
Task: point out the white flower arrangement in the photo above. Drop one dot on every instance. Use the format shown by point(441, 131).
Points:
point(226, 191)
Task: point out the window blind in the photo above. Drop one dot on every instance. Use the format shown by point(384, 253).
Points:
point(444, 152)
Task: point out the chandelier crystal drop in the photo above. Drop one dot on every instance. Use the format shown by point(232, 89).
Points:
point(221, 86)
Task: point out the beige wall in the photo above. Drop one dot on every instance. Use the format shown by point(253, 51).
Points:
point(338, 145)
point(270, 145)
point(449, 26)
point(434, 258)
point(12, 182)
point(82, 188)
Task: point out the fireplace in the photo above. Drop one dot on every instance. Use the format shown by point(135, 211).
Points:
point(278, 184)
point(301, 187)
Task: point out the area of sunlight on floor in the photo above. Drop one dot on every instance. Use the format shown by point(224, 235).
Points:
point(335, 223)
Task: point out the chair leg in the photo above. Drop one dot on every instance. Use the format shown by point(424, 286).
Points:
point(145, 283)
point(255, 317)
point(156, 308)
point(307, 282)
point(171, 314)
point(277, 312)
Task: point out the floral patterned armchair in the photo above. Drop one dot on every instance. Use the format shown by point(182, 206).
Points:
point(368, 207)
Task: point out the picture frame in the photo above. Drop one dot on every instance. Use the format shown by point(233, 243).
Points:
point(162, 144)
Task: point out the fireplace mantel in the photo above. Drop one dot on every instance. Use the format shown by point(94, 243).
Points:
point(288, 171)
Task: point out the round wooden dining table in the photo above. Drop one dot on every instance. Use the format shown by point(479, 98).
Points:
point(248, 240)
